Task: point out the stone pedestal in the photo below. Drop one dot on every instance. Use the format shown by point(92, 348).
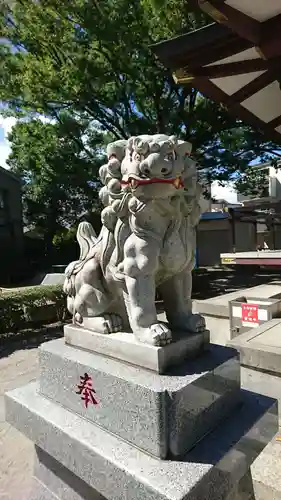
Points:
point(216, 309)
point(124, 347)
point(188, 434)
point(265, 472)
point(260, 358)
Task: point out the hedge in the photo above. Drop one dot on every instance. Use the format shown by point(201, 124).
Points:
point(31, 307)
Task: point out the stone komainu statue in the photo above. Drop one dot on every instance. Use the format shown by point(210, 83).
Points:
point(151, 199)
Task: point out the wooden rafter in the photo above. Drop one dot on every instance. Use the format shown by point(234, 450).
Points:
point(213, 10)
point(210, 90)
point(270, 43)
point(265, 35)
point(229, 69)
point(216, 3)
point(196, 58)
point(276, 122)
point(208, 45)
point(244, 25)
point(253, 87)
point(220, 51)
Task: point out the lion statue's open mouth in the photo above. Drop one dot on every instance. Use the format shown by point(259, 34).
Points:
point(151, 200)
point(134, 182)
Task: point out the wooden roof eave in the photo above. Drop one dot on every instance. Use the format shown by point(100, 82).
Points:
point(264, 35)
point(207, 88)
point(196, 49)
point(202, 46)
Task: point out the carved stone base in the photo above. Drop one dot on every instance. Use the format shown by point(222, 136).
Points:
point(165, 415)
point(52, 481)
point(119, 471)
point(124, 347)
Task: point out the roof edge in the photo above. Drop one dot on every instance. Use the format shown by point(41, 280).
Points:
point(10, 174)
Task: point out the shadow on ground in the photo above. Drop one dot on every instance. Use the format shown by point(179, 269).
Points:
point(208, 283)
point(29, 339)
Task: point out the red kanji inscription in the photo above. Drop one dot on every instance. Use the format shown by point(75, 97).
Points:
point(250, 313)
point(85, 388)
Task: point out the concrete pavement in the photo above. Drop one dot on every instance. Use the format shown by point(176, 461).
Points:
point(18, 366)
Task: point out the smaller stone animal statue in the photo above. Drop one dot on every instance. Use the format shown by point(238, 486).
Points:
point(151, 199)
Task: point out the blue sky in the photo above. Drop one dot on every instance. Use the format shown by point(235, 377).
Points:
point(6, 125)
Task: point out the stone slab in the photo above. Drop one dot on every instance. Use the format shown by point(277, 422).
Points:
point(265, 472)
point(53, 279)
point(120, 471)
point(218, 306)
point(219, 329)
point(260, 347)
point(243, 490)
point(263, 382)
point(55, 484)
point(52, 478)
point(125, 347)
point(40, 492)
point(264, 254)
point(161, 414)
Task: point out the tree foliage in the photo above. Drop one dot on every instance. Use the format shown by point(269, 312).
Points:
point(92, 60)
point(59, 178)
point(253, 183)
point(31, 307)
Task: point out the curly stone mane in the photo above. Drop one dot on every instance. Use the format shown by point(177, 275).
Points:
point(151, 207)
point(120, 203)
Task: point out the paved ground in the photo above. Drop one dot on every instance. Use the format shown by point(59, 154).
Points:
point(18, 366)
point(16, 452)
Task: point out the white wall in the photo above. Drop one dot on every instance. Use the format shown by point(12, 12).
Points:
point(275, 182)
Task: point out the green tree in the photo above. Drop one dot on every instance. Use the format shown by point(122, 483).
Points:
point(59, 179)
point(253, 183)
point(93, 60)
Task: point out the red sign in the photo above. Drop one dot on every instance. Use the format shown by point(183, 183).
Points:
point(85, 388)
point(250, 314)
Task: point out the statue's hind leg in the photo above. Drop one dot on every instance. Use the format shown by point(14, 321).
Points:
point(104, 324)
point(92, 303)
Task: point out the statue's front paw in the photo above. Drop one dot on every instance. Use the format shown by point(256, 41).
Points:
point(195, 323)
point(112, 323)
point(105, 324)
point(158, 335)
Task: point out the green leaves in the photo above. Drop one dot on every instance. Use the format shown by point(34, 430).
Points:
point(57, 172)
point(253, 183)
point(31, 306)
point(90, 61)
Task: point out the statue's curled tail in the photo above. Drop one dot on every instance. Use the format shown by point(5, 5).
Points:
point(87, 239)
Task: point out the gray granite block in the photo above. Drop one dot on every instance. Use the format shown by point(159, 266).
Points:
point(52, 482)
point(216, 309)
point(194, 410)
point(265, 472)
point(120, 471)
point(218, 306)
point(266, 383)
point(244, 489)
point(41, 492)
point(160, 414)
point(260, 347)
point(125, 347)
point(129, 404)
point(60, 481)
